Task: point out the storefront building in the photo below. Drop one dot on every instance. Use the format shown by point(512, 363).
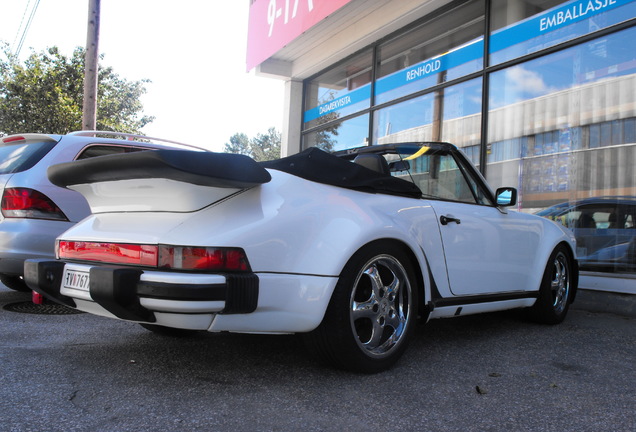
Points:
point(540, 94)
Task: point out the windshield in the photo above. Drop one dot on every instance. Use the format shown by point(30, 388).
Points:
point(22, 156)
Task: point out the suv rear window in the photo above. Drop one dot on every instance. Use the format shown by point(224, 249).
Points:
point(22, 156)
point(104, 150)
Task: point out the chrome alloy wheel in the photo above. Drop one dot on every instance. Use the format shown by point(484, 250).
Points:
point(381, 301)
point(560, 282)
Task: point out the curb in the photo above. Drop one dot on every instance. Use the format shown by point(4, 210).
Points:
point(606, 302)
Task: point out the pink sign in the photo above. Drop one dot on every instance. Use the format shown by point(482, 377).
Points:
point(275, 23)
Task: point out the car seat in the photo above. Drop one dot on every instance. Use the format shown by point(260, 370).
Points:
point(373, 162)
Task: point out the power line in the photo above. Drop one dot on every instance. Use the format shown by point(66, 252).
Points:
point(21, 21)
point(27, 26)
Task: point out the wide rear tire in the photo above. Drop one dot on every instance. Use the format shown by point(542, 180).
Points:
point(372, 312)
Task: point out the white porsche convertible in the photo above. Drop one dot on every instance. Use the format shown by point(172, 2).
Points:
point(349, 249)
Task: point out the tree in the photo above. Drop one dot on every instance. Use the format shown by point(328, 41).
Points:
point(45, 94)
point(263, 147)
point(266, 146)
point(239, 144)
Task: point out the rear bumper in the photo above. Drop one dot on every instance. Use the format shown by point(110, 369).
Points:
point(23, 238)
point(250, 303)
point(134, 295)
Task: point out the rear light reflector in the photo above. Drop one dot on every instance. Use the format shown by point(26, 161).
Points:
point(29, 203)
point(202, 258)
point(217, 259)
point(37, 298)
point(113, 253)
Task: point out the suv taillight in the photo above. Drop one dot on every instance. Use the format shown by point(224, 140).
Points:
point(29, 203)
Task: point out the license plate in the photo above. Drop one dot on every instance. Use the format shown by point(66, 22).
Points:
point(78, 280)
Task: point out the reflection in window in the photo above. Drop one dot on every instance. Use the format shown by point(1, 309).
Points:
point(21, 157)
point(603, 227)
point(452, 114)
point(341, 91)
point(439, 176)
point(522, 27)
point(344, 135)
point(442, 49)
point(563, 128)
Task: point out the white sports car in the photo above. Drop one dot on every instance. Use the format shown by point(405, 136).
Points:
point(348, 249)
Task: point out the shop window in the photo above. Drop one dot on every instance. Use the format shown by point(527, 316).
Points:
point(575, 111)
point(629, 131)
point(442, 49)
point(603, 228)
point(342, 90)
point(522, 27)
point(452, 114)
point(347, 134)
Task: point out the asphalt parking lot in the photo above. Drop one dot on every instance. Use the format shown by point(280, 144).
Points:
point(493, 372)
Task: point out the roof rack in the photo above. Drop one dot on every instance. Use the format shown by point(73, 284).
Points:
point(132, 136)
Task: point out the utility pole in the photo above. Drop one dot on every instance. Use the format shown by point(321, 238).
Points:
point(89, 118)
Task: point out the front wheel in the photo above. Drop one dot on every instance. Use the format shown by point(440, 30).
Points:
point(371, 313)
point(557, 289)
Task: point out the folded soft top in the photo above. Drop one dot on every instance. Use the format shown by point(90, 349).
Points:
point(322, 167)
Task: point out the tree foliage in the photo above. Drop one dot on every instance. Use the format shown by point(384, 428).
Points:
point(45, 94)
point(262, 147)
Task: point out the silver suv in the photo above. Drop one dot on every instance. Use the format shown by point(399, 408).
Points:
point(34, 211)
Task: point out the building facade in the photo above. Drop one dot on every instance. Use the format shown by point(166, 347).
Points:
point(539, 94)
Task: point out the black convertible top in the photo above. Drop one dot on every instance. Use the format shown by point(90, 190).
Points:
point(322, 167)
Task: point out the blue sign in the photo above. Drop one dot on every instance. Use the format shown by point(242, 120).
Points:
point(444, 62)
point(435, 65)
point(550, 20)
point(356, 96)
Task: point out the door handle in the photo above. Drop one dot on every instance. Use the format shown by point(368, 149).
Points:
point(445, 220)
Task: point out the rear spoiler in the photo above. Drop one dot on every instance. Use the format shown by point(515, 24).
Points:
point(221, 170)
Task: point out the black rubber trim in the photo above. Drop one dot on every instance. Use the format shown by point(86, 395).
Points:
point(114, 290)
point(45, 277)
point(117, 289)
point(241, 294)
point(160, 290)
point(489, 298)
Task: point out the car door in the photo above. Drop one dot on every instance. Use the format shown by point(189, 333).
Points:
point(487, 249)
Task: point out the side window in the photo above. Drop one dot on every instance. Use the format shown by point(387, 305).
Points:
point(595, 216)
point(438, 175)
point(103, 150)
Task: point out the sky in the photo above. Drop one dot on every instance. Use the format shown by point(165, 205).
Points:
point(193, 51)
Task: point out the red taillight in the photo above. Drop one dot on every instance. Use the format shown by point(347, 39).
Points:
point(14, 138)
point(113, 253)
point(163, 256)
point(29, 203)
point(202, 258)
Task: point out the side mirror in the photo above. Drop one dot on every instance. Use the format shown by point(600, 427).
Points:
point(506, 196)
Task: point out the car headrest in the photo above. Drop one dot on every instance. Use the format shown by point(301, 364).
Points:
point(373, 162)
